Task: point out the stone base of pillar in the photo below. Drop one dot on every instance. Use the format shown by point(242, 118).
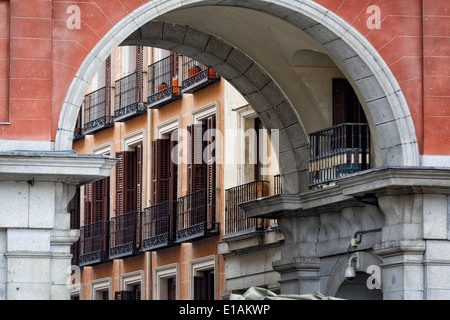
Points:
point(298, 275)
point(35, 235)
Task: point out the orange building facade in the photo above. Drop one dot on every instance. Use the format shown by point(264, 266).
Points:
point(152, 229)
point(353, 93)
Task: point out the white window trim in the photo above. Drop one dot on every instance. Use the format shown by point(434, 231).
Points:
point(104, 149)
point(100, 285)
point(132, 278)
point(133, 139)
point(204, 112)
point(167, 127)
point(161, 274)
point(203, 264)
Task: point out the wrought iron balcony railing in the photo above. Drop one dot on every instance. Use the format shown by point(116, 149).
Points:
point(97, 111)
point(277, 189)
point(235, 221)
point(125, 235)
point(128, 101)
point(338, 151)
point(94, 243)
point(196, 214)
point(159, 226)
point(196, 76)
point(163, 86)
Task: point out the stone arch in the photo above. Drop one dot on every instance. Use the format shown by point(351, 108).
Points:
point(337, 277)
point(382, 99)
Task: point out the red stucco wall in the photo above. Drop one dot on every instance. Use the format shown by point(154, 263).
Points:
point(39, 56)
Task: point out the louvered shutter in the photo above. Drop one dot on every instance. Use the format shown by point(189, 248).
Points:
point(199, 288)
point(173, 166)
point(196, 165)
point(160, 173)
point(139, 75)
point(100, 193)
point(108, 86)
point(119, 183)
point(171, 289)
point(74, 209)
point(130, 182)
point(211, 173)
point(126, 182)
point(139, 178)
point(88, 204)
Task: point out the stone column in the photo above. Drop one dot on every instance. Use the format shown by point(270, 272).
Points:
point(35, 235)
point(299, 267)
point(415, 244)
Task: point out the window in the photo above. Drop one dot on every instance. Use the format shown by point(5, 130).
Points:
point(165, 168)
point(166, 282)
point(131, 285)
point(202, 278)
point(100, 289)
point(129, 181)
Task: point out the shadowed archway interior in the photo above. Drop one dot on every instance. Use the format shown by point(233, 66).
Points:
point(254, 45)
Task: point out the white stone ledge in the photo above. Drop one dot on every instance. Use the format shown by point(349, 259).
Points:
point(68, 167)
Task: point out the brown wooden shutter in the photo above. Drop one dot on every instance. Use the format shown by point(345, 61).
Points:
point(108, 86)
point(119, 183)
point(211, 173)
point(88, 204)
point(196, 165)
point(139, 75)
point(199, 288)
point(130, 182)
point(173, 166)
point(171, 289)
point(160, 173)
point(346, 106)
point(139, 165)
point(100, 193)
point(74, 209)
point(126, 182)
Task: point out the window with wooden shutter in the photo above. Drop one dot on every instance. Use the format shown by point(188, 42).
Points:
point(199, 288)
point(108, 86)
point(346, 106)
point(139, 154)
point(88, 204)
point(74, 209)
point(161, 170)
point(211, 172)
point(171, 289)
point(197, 167)
point(139, 75)
point(100, 192)
point(128, 181)
point(204, 286)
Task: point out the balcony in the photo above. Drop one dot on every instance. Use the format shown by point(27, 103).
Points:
point(338, 151)
point(94, 243)
point(96, 111)
point(128, 102)
point(235, 221)
point(159, 226)
point(163, 84)
point(196, 216)
point(277, 189)
point(196, 76)
point(78, 133)
point(125, 235)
